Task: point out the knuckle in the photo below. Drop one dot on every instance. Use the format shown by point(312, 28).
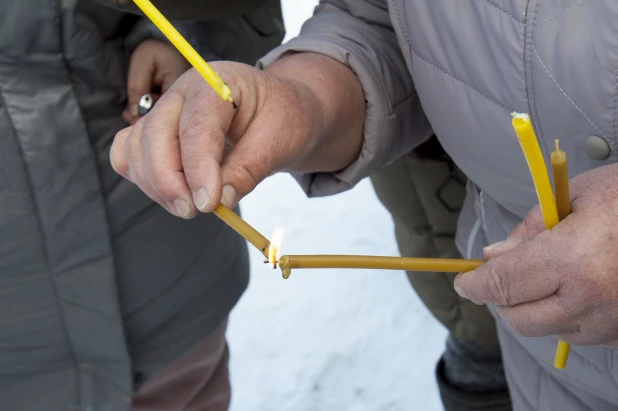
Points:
point(134, 178)
point(589, 286)
point(163, 186)
point(118, 163)
point(192, 130)
point(528, 223)
point(196, 129)
point(244, 172)
point(149, 127)
point(497, 289)
point(117, 157)
point(134, 89)
point(162, 182)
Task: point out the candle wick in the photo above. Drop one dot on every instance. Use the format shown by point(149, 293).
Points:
point(557, 145)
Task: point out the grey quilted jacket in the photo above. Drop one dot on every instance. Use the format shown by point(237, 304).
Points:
point(99, 287)
point(460, 67)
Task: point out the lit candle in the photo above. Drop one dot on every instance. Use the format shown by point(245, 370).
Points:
point(563, 204)
point(243, 228)
point(288, 262)
point(275, 245)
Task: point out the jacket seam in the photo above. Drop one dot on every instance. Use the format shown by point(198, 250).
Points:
point(461, 81)
point(72, 351)
point(532, 101)
point(407, 37)
point(571, 100)
point(503, 11)
point(533, 45)
point(37, 213)
point(402, 26)
point(539, 391)
point(405, 34)
point(611, 365)
point(561, 13)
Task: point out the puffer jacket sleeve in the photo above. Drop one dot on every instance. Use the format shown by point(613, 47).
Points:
point(359, 34)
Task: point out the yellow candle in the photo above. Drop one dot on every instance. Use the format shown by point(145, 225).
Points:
point(563, 203)
point(288, 262)
point(536, 163)
point(185, 48)
point(559, 166)
point(243, 228)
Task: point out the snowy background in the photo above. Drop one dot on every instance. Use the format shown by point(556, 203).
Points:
point(329, 340)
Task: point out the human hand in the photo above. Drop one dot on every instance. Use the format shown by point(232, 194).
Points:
point(564, 281)
point(154, 64)
point(176, 154)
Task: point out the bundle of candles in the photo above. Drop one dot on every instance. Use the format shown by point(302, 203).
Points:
point(554, 208)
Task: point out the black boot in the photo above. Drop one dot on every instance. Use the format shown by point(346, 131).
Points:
point(455, 399)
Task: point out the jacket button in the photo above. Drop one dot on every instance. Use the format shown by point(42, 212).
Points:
point(596, 148)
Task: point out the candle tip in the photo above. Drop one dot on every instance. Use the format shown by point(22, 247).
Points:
point(557, 145)
point(275, 245)
point(520, 116)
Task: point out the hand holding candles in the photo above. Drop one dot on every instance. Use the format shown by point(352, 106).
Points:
point(554, 208)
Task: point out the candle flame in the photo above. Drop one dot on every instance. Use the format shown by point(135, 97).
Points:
point(275, 245)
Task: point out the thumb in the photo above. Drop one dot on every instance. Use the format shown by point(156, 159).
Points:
point(532, 225)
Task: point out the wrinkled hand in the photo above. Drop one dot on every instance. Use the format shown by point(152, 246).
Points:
point(194, 151)
point(175, 154)
point(564, 281)
point(154, 63)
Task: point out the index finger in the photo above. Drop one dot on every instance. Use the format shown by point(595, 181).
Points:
point(161, 154)
point(204, 122)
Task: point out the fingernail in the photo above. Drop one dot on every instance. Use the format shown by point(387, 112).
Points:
point(228, 198)
point(182, 207)
point(201, 198)
point(491, 246)
point(459, 291)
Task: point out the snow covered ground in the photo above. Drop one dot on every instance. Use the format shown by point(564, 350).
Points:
point(329, 340)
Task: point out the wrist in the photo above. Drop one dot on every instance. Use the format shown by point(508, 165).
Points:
point(340, 106)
